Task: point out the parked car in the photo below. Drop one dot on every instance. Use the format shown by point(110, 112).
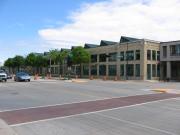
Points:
point(3, 76)
point(22, 76)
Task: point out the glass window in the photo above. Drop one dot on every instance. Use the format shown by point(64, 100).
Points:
point(85, 70)
point(148, 54)
point(158, 55)
point(129, 55)
point(153, 70)
point(158, 70)
point(153, 55)
point(137, 70)
point(102, 57)
point(164, 51)
point(122, 56)
point(130, 69)
point(93, 70)
point(112, 70)
point(94, 58)
point(78, 70)
point(122, 70)
point(113, 56)
point(137, 54)
point(175, 50)
point(102, 70)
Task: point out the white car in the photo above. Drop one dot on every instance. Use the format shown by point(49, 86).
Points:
point(3, 76)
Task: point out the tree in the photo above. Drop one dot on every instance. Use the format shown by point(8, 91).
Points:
point(18, 61)
point(31, 60)
point(79, 56)
point(9, 63)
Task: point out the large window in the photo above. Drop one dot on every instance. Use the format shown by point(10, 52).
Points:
point(164, 51)
point(148, 54)
point(130, 69)
point(137, 70)
point(85, 70)
point(175, 50)
point(137, 54)
point(112, 56)
point(112, 70)
point(122, 70)
point(93, 70)
point(102, 57)
point(158, 55)
point(158, 70)
point(102, 70)
point(153, 70)
point(153, 55)
point(94, 58)
point(129, 55)
point(122, 56)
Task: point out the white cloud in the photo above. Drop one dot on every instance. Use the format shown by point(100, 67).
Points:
point(153, 19)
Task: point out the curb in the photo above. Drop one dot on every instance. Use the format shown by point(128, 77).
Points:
point(5, 129)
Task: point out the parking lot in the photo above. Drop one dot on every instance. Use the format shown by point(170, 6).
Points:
point(93, 107)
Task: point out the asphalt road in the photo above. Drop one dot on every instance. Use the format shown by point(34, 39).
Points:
point(152, 118)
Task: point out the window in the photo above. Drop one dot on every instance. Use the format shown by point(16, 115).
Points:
point(148, 54)
point(137, 70)
point(164, 51)
point(137, 54)
point(112, 70)
point(175, 50)
point(85, 70)
point(129, 55)
point(122, 70)
point(94, 58)
point(122, 56)
point(158, 70)
point(158, 55)
point(78, 70)
point(102, 57)
point(94, 70)
point(153, 70)
point(130, 69)
point(102, 70)
point(153, 55)
point(112, 56)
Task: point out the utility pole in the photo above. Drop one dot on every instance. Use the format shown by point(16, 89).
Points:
point(127, 57)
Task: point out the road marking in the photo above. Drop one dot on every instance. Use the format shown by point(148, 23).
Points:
point(137, 124)
point(76, 115)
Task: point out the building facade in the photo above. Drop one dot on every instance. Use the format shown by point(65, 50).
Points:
point(130, 59)
point(170, 60)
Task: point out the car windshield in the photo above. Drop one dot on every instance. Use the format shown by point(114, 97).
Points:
point(1, 71)
point(22, 74)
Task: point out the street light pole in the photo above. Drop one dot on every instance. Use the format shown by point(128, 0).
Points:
point(127, 57)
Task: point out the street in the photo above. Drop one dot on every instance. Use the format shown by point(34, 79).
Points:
point(53, 107)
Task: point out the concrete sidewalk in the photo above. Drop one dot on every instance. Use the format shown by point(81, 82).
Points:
point(5, 129)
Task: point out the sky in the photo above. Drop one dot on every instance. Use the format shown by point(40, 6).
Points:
point(42, 25)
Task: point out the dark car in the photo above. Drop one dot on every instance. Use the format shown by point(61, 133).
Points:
point(22, 76)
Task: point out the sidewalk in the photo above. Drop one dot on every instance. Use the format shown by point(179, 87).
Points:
point(5, 129)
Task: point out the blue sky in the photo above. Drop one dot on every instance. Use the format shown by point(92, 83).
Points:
point(21, 20)
point(40, 25)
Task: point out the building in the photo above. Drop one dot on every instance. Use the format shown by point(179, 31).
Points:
point(128, 59)
point(170, 60)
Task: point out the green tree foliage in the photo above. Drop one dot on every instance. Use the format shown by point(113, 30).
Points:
point(80, 55)
point(18, 61)
point(53, 55)
point(9, 63)
point(31, 60)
